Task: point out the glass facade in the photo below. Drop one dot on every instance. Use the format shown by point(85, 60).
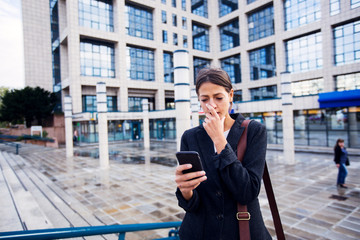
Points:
point(173, 3)
point(200, 34)
point(300, 12)
point(174, 20)
point(233, 67)
point(168, 67)
point(183, 5)
point(229, 35)
point(347, 43)
point(89, 103)
point(304, 53)
point(163, 128)
point(139, 22)
point(140, 64)
point(175, 39)
point(227, 6)
point(97, 59)
point(262, 63)
point(164, 36)
point(184, 23)
point(347, 82)
point(97, 14)
point(200, 7)
point(263, 93)
point(135, 103)
point(163, 16)
point(307, 87)
point(185, 41)
point(200, 63)
point(261, 24)
point(334, 7)
point(237, 96)
point(355, 3)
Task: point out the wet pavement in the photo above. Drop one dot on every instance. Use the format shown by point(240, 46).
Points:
point(139, 188)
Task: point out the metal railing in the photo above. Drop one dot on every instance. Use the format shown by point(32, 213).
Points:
point(62, 233)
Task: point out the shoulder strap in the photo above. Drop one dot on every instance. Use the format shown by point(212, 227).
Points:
point(244, 230)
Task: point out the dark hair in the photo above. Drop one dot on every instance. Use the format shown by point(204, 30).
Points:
point(338, 141)
point(213, 75)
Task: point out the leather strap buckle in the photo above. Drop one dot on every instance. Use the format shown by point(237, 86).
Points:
point(243, 216)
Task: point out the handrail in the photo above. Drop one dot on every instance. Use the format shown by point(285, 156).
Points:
point(61, 233)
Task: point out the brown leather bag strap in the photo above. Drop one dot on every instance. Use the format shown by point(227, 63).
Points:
point(243, 215)
point(244, 230)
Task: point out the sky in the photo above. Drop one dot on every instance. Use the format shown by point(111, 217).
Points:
point(11, 45)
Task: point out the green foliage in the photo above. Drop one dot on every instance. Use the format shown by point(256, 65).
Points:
point(27, 104)
point(45, 134)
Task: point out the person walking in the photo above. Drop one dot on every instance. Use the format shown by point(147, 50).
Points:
point(341, 160)
point(210, 197)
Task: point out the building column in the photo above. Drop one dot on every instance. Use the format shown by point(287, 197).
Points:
point(102, 125)
point(182, 93)
point(146, 125)
point(194, 108)
point(68, 127)
point(287, 118)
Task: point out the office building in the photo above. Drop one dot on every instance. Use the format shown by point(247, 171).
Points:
point(70, 45)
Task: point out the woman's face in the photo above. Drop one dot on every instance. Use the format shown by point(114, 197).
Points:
point(341, 144)
point(217, 97)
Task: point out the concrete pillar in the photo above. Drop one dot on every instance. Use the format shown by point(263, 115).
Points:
point(102, 125)
point(146, 125)
point(287, 118)
point(182, 93)
point(194, 108)
point(353, 141)
point(68, 126)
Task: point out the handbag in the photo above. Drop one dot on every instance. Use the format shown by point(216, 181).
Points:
point(243, 215)
point(347, 163)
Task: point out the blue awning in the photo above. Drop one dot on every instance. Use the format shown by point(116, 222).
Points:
point(349, 98)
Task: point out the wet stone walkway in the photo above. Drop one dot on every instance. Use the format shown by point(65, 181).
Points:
point(139, 188)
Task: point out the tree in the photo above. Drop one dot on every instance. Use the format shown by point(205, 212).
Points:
point(27, 104)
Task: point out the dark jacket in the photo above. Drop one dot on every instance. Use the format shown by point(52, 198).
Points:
point(337, 154)
point(211, 212)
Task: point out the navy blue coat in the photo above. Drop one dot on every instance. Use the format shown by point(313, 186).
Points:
point(211, 212)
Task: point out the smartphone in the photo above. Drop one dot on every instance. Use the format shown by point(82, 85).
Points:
point(192, 157)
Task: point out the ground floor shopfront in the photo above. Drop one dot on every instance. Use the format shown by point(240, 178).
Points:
point(312, 127)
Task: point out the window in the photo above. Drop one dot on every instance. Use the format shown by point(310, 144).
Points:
point(173, 3)
point(163, 16)
point(163, 1)
point(232, 66)
point(183, 5)
point(229, 35)
point(347, 82)
point(261, 24)
point(89, 103)
point(199, 7)
point(135, 103)
point(347, 43)
point(262, 63)
point(164, 36)
point(175, 39)
point(139, 22)
point(261, 93)
point(97, 14)
point(334, 7)
point(174, 20)
point(251, 1)
point(307, 87)
point(168, 67)
point(184, 23)
point(355, 3)
point(169, 103)
point(200, 63)
point(227, 6)
point(200, 37)
point(97, 59)
point(140, 64)
point(237, 96)
point(300, 12)
point(185, 41)
point(304, 53)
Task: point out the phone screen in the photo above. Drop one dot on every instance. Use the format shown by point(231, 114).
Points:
point(192, 157)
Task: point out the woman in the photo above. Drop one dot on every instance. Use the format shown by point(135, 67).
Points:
point(210, 201)
point(340, 158)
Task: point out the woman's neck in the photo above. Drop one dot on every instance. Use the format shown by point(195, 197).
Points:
point(228, 122)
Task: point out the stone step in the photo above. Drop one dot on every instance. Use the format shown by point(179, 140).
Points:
point(29, 211)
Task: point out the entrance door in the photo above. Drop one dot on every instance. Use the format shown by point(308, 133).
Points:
point(136, 130)
point(161, 129)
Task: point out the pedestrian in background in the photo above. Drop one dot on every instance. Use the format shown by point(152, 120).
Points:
point(341, 160)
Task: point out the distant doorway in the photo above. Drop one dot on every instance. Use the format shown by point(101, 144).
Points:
point(136, 130)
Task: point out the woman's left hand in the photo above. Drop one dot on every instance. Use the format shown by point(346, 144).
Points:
point(214, 126)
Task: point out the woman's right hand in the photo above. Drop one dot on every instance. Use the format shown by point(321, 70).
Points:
point(337, 165)
point(184, 183)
